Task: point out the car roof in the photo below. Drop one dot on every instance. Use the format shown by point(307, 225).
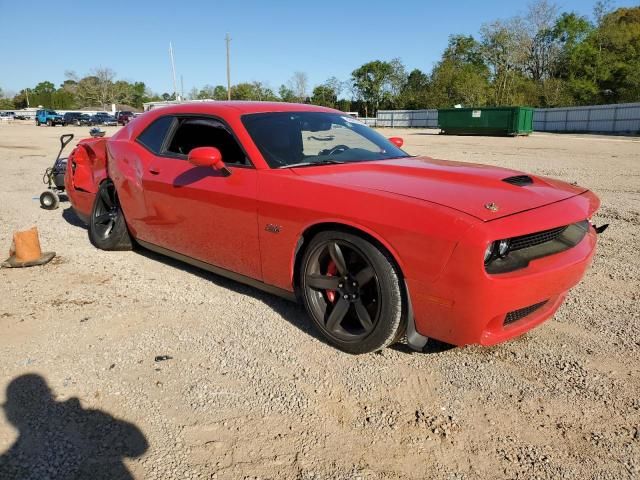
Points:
point(238, 107)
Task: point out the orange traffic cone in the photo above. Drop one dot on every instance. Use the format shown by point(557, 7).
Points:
point(25, 250)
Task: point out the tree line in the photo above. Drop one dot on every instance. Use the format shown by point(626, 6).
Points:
point(544, 58)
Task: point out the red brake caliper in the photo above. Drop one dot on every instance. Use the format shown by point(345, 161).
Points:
point(331, 271)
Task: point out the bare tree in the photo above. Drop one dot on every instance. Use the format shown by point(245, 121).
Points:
point(502, 46)
point(106, 91)
point(542, 48)
point(334, 84)
point(299, 83)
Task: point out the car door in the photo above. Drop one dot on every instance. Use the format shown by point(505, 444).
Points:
point(197, 211)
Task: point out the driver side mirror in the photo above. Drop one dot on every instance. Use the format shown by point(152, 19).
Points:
point(208, 157)
point(397, 141)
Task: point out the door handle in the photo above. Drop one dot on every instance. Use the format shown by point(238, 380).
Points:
point(154, 170)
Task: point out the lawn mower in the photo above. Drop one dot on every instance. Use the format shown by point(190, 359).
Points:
point(54, 177)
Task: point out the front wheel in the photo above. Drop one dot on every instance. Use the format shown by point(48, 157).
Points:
point(107, 225)
point(352, 291)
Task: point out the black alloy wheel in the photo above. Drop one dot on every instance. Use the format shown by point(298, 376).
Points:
point(351, 290)
point(106, 212)
point(107, 226)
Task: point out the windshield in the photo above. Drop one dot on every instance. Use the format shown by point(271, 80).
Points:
point(289, 139)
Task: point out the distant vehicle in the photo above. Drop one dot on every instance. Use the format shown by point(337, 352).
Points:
point(70, 118)
point(49, 118)
point(83, 119)
point(8, 114)
point(124, 117)
point(103, 118)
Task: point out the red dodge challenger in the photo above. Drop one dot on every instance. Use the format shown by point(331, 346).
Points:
point(309, 203)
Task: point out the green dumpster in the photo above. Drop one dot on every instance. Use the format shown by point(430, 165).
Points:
point(510, 121)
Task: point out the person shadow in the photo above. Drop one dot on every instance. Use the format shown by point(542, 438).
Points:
point(62, 440)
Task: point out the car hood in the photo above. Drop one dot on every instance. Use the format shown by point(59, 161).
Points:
point(477, 190)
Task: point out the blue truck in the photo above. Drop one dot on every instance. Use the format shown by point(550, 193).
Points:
point(49, 117)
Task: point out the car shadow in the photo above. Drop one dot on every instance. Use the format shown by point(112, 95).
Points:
point(72, 218)
point(62, 440)
point(292, 312)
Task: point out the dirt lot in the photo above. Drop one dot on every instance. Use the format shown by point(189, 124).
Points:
point(252, 392)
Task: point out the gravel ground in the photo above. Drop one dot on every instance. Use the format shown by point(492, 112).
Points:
point(250, 391)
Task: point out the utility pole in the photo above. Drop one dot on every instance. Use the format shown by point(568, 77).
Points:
point(173, 69)
point(26, 91)
point(227, 39)
point(181, 87)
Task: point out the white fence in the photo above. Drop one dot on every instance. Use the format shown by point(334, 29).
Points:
point(404, 118)
point(617, 118)
point(620, 118)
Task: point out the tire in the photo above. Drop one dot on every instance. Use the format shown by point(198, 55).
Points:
point(49, 200)
point(352, 290)
point(49, 123)
point(107, 225)
point(37, 123)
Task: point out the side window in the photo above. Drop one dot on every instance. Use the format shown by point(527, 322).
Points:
point(154, 135)
point(206, 132)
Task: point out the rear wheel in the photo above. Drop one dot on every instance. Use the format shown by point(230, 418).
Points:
point(107, 225)
point(352, 291)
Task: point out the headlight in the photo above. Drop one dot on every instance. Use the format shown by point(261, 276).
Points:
point(488, 253)
point(503, 248)
point(499, 248)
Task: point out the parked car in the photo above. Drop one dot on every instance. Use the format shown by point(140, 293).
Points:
point(48, 117)
point(102, 118)
point(8, 114)
point(309, 203)
point(71, 118)
point(84, 119)
point(124, 117)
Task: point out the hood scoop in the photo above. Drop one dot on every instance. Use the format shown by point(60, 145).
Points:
point(519, 180)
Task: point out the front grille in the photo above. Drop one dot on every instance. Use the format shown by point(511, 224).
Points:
point(519, 180)
point(533, 239)
point(522, 312)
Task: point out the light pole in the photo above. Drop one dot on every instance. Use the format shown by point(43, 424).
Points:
point(227, 39)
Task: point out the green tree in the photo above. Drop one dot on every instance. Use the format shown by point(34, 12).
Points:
point(371, 82)
point(5, 103)
point(415, 94)
point(461, 77)
point(603, 62)
point(286, 94)
point(42, 94)
point(324, 96)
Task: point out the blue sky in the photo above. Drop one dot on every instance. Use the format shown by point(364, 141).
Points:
point(39, 40)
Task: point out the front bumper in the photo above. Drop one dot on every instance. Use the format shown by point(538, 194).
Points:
point(466, 305)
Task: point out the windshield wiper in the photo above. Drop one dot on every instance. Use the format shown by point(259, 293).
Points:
point(326, 161)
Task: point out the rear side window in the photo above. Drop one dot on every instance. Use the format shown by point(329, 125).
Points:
point(154, 135)
point(206, 132)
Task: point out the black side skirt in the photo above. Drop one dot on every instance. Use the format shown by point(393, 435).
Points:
point(286, 294)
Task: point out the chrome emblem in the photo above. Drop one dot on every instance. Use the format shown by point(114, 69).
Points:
point(272, 228)
point(492, 206)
